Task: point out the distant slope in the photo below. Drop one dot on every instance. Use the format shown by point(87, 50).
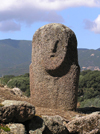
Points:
point(98, 49)
point(89, 59)
point(15, 57)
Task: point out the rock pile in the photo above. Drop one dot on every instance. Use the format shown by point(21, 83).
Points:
point(20, 117)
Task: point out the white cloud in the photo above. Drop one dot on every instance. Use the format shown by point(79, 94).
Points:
point(9, 26)
point(93, 25)
point(30, 11)
point(25, 11)
point(47, 4)
point(96, 27)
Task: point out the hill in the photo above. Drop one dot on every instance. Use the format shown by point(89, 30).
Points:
point(89, 59)
point(15, 57)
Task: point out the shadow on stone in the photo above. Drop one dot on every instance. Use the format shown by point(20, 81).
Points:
point(36, 125)
point(64, 68)
point(88, 110)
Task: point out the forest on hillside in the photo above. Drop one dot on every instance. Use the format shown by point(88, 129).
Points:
point(88, 91)
point(89, 88)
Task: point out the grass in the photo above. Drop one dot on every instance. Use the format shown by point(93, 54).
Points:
point(4, 127)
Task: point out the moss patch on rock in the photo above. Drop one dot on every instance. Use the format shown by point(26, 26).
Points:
point(4, 127)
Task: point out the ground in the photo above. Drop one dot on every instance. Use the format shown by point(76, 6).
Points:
point(6, 94)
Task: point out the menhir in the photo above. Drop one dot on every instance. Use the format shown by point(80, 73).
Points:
point(54, 71)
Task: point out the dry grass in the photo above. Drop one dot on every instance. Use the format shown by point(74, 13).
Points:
point(6, 94)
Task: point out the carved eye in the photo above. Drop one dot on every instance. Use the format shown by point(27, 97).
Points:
point(55, 47)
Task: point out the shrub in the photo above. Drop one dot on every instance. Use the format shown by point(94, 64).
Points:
point(90, 102)
point(89, 79)
point(20, 82)
point(27, 92)
point(4, 127)
point(5, 79)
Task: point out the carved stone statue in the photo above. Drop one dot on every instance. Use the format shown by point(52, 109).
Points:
point(54, 71)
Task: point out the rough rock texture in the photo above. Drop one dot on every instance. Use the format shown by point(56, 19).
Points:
point(54, 125)
point(17, 91)
point(89, 124)
point(54, 71)
point(36, 125)
point(16, 111)
point(16, 128)
point(4, 132)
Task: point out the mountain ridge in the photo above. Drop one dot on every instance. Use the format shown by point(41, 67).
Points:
point(15, 57)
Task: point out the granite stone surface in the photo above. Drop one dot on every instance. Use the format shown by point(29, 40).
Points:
point(54, 71)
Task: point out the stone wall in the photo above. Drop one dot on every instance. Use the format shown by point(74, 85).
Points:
point(54, 71)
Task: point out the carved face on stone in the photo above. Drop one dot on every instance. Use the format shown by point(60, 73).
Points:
point(53, 42)
point(55, 54)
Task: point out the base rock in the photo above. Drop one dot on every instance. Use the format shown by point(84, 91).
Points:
point(16, 111)
point(89, 124)
point(54, 125)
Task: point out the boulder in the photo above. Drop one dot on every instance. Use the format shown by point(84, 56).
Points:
point(47, 125)
point(17, 128)
point(36, 125)
point(89, 124)
point(16, 111)
point(54, 125)
point(4, 132)
point(17, 91)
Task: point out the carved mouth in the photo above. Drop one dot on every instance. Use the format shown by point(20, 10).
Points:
point(52, 56)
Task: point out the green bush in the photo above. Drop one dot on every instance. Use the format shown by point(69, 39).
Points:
point(5, 79)
point(90, 93)
point(89, 88)
point(4, 127)
point(27, 92)
point(89, 79)
point(93, 102)
point(20, 82)
point(87, 93)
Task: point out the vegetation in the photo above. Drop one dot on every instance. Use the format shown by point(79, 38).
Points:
point(88, 92)
point(15, 56)
point(89, 88)
point(5, 79)
point(4, 127)
point(21, 82)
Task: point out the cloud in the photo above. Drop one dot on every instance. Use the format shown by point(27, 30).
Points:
point(30, 11)
point(53, 17)
point(9, 26)
point(25, 13)
point(47, 4)
point(93, 25)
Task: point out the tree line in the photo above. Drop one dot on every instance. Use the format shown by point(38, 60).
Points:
point(88, 91)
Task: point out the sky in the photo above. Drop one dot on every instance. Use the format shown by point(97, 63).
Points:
point(19, 19)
